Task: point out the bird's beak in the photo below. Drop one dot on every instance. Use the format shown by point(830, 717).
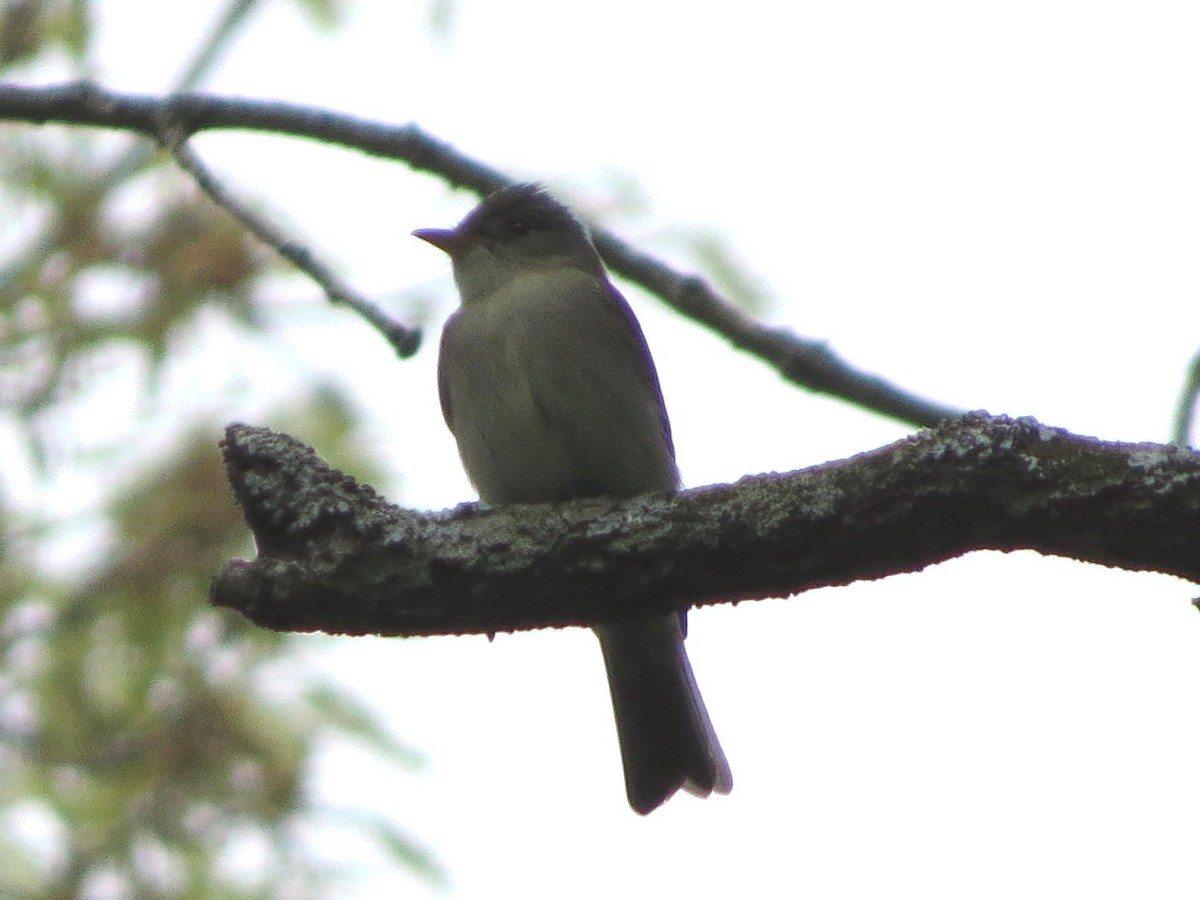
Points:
point(445, 239)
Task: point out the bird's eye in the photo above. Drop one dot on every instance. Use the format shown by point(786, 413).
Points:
point(519, 226)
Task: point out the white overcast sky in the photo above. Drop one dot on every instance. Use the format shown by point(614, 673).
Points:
point(995, 205)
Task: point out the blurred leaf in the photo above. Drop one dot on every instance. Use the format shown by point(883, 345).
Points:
point(400, 846)
point(728, 271)
point(404, 850)
point(350, 717)
point(21, 30)
point(326, 15)
point(194, 248)
point(187, 257)
point(77, 28)
point(154, 717)
point(27, 27)
point(441, 16)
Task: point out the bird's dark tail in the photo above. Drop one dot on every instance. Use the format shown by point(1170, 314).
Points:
point(667, 741)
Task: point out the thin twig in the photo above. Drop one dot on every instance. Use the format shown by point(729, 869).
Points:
point(404, 341)
point(206, 55)
point(804, 362)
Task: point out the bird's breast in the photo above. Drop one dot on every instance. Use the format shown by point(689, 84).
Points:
point(549, 395)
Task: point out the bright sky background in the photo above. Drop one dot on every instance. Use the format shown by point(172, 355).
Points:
point(995, 205)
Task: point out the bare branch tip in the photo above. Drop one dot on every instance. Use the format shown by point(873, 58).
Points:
point(405, 341)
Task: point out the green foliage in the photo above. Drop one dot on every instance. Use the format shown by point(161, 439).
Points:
point(187, 256)
point(324, 14)
point(150, 745)
point(30, 27)
point(150, 719)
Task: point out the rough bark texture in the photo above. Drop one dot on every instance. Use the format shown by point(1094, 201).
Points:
point(335, 556)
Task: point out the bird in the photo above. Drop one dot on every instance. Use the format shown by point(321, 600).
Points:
point(548, 386)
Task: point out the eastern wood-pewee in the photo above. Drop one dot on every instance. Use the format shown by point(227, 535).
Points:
point(549, 389)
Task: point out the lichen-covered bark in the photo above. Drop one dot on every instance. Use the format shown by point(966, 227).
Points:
point(335, 556)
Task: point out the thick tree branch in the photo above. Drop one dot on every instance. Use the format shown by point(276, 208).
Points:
point(803, 361)
point(334, 556)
